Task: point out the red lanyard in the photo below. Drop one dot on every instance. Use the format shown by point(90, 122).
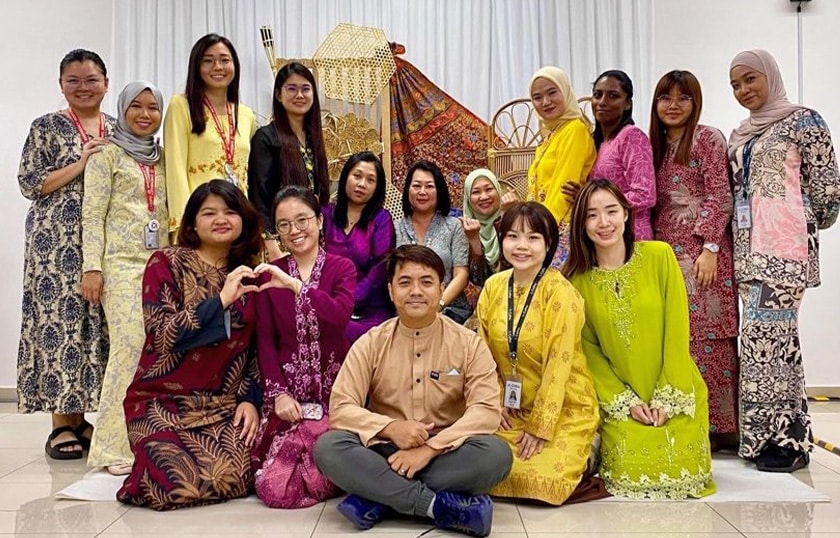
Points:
point(228, 144)
point(149, 177)
point(78, 124)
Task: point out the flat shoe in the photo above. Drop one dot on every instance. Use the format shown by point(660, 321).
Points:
point(55, 452)
point(80, 430)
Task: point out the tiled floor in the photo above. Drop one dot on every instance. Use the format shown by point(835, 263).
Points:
point(28, 480)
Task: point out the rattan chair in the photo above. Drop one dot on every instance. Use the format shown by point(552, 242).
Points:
point(513, 136)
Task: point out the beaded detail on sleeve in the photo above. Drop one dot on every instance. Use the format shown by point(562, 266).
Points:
point(619, 408)
point(618, 288)
point(673, 401)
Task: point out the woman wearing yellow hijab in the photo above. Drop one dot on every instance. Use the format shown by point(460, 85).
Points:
point(566, 153)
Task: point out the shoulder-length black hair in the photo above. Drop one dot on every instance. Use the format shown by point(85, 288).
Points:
point(376, 202)
point(444, 202)
point(292, 169)
point(581, 248)
point(195, 85)
point(626, 85)
point(539, 220)
point(248, 245)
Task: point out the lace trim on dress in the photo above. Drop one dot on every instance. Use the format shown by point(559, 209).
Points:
point(687, 485)
point(673, 401)
point(618, 409)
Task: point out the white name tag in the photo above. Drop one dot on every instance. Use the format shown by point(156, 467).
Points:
point(513, 393)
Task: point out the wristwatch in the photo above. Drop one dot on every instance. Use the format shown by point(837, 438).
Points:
point(714, 248)
point(441, 305)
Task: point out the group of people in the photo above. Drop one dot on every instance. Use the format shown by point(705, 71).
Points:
point(294, 344)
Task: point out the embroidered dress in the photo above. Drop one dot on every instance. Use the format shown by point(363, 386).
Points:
point(197, 366)
point(568, 154)
point(627, 161)
point(793, 188)
point(301, 344)
point(114, 217)
point(63, 346)
point(695, 207)
point(367, 248)
point(446, 237)
point(636, 341)
point(192, 160)
point(558, 397)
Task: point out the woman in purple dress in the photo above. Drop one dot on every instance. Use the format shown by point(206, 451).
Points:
point(359, 228)
point(303, 308)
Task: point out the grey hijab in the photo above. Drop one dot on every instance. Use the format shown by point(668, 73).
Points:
point(144, 149)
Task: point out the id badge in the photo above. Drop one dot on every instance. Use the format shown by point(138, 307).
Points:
point(513, 392)
point(312, 411)
point(230, 175)
point(151, 238)
point(743, 214)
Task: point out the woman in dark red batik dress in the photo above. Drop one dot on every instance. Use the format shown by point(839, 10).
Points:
point(693, 214)
point(191, 410)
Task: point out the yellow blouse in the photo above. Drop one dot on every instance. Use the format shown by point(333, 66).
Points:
point(568, 154)
point(558, 399)
point(192, 160)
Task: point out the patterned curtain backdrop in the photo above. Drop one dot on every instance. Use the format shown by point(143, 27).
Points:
point(427, 123)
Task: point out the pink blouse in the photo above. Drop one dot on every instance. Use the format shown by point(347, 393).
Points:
point(627, 161)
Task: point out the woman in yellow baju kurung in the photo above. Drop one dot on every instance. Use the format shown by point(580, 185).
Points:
point(200, 148)
point(558, 400)
point(116, 214)
point(566, 154)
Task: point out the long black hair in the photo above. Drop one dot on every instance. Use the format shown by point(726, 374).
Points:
point(195, 85)
point(444, 202)
point(292, 169)
point(376, 201)
point(626, 85)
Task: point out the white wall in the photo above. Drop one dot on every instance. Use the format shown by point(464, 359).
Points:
point(34, 36)
point(703, 37)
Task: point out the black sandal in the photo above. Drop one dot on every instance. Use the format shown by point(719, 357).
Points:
point(55, 452)
point(80, 430)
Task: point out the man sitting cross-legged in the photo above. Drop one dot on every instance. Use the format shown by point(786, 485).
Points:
point(413, 411)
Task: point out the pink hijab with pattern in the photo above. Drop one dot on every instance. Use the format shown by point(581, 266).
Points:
point(777, 106)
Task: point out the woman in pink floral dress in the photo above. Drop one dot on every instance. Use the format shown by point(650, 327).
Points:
point(693, 213)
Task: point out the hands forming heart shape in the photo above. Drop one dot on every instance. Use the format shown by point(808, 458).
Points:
point(234, 288)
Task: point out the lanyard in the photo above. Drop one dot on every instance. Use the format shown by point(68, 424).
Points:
point(513, 334)
point(82, 133)
point(745, 179)
point(228, 144)
point(149, 179)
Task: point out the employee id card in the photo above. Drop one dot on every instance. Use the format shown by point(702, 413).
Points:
point(513, 391)
point(743, 214)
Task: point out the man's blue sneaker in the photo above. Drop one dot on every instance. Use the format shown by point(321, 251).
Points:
point(472, 516)
point(364, 514)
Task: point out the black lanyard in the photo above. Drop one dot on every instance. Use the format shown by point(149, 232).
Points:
point(745, 175)
point(513, 334)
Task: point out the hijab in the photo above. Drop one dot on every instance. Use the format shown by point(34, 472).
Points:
point(487, 231)
point(571, 111)
point(777, 106)
point(144, 149)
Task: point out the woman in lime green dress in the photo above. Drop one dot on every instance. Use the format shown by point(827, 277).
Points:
point(654, 403)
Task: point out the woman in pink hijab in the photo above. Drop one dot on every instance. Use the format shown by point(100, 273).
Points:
point(786, 188)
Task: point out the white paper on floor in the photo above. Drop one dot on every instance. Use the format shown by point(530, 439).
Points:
point(96, 485)
point(739, 481)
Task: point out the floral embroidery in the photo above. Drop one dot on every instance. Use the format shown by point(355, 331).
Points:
point(619, 408)
point(673, 401)
point(309, 164)
point(664, 486)
point(619, 291)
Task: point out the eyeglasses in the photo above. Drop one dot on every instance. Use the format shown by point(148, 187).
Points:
point(682, 100)
point(294, 89)
point(284, 227)
point(88, 82)
point(224, 61)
